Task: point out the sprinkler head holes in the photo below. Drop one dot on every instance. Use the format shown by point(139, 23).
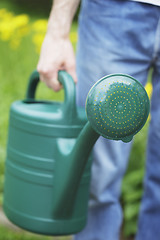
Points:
point(117, 107)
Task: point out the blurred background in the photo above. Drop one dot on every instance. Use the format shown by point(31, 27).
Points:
point(22, 29)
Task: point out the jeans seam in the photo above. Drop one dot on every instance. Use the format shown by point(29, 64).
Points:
point(156, 49)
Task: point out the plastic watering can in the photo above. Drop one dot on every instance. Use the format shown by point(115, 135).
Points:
point(47, 171)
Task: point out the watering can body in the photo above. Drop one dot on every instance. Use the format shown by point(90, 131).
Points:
point(48, 166)
point(42, 135)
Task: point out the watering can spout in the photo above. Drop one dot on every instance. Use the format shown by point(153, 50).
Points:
point(117, 107)
point(77, 160)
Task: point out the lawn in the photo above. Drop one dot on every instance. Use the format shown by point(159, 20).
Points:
point(8, 234)
point(18, 58)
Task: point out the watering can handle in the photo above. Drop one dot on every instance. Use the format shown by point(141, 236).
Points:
point(69, 90)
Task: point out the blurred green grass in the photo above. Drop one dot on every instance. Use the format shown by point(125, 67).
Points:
point(8, 234)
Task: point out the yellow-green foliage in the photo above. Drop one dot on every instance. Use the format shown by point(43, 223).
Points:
point(13, 28)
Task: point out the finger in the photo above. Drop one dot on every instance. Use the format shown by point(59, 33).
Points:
point(42, 79)
point(45, 80)
point(50, 79)
point(55, 85)
point(53, 81)
point(44, 75)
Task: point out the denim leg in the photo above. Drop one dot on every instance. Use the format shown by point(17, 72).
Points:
point(149, 219)
point(108, 45)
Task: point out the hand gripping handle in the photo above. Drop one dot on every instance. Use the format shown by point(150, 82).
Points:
point(69, 106)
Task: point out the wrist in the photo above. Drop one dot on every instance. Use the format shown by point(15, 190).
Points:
point(58, 29)
point(61, 16)
point(59, 22)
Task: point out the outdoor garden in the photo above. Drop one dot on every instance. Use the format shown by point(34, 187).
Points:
point(22, 28)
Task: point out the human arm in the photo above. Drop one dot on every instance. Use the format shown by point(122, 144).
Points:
point(57, 51)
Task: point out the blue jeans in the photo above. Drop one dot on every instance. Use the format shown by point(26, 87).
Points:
point(120, 36)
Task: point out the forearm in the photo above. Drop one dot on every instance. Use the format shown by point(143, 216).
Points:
point(61, 17)
point(57, 51)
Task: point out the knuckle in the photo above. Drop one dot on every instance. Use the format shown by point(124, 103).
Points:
point(44, 71)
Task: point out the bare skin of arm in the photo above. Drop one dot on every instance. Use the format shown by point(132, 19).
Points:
point(57, 52)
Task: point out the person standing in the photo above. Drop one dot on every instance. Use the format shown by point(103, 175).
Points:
point(118, 36)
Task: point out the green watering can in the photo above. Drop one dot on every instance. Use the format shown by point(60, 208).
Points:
point(47, 172)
